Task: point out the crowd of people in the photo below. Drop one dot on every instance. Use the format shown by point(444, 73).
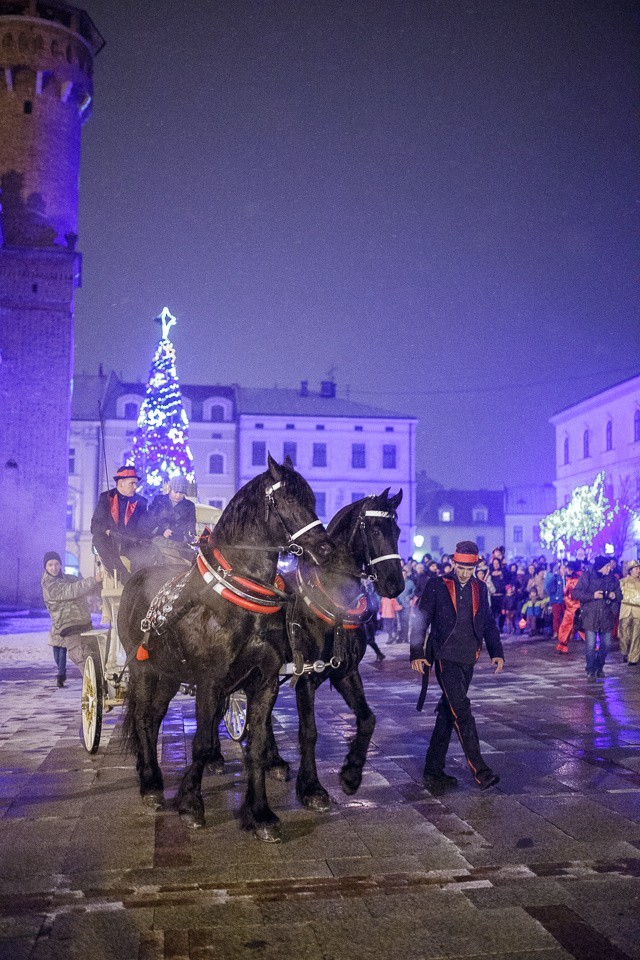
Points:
point(596, 600)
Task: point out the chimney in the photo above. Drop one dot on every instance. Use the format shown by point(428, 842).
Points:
point(304, 388)
point(327, 389)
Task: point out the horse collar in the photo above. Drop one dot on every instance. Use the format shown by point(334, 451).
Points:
point(242, 591)
point(323, 606)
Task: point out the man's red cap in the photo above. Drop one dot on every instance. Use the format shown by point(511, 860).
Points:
point(126, 473)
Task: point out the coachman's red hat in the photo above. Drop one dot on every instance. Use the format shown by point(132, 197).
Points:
point(466, 553)
point(126, 473)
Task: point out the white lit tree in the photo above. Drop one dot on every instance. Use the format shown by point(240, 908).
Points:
point(578, 523)
point(161, 442)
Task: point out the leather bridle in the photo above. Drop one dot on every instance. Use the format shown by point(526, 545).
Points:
point(360, 526)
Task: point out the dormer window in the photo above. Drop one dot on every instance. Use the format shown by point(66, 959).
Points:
point(446, 514)
point(480, 514)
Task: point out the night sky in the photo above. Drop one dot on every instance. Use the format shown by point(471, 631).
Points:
point(436, 201)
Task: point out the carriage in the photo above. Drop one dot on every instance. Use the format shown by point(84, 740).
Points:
point(105, 673)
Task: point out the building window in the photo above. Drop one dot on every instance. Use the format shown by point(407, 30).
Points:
point(72, 460)
point(258, 453)
point(321, 504)
point(536, 532)
point(446, 514)
point(319, 455)
point(28, 106)
point(435, 543)
point(388, 429)
point(479, 514)
point(217, 503)
point(608, 435)
point(358, 455)
point(358, 429)
point(481, 544)
point(289, 426)
point(216, 436)
point(290, 449)
point(357, 496)
point(319, 426)
point(565, 451)
point(131, 411)
point(518, 534)
point(216, 463)
point(259, 426)
point(585, 443)
point(70, 519)
point(636, 426)
point(216, 414)
point(389, 456)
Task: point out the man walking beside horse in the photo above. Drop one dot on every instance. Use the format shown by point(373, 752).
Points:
point(454, 611)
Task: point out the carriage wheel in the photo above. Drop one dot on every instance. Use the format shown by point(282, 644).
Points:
point(235, 716)
point(92, 702)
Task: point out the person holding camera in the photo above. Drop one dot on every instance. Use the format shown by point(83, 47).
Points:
point(599, 595)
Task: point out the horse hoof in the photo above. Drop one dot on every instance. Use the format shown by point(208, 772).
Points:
point(281, 772)
point(194, 821)
point(154, 800)
point(319, 802)
point(350, 783)
point(268, 833)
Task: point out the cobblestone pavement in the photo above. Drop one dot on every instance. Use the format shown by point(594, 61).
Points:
point(546, 866)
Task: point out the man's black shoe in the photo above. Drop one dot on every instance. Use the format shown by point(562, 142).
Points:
point(488, 780)
point(60, 682)
point(438, 781)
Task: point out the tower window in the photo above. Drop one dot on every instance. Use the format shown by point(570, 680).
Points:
point(34, 288)
point(28, 106)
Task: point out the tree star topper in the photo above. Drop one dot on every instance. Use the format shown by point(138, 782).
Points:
point(167, 320)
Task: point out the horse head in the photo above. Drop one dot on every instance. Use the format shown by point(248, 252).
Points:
point(290, 510)
point(370, 529)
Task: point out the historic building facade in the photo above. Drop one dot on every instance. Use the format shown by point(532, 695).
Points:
point(46, 89)
point(601, 433)
point(344, 449)
point(452, 515)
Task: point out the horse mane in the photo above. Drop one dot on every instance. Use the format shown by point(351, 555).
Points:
point(247, 506)
point(343, 523)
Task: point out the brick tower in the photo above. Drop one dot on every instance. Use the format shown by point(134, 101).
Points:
point(46, 65)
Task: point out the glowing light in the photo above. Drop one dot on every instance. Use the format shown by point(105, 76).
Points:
point(418, 540)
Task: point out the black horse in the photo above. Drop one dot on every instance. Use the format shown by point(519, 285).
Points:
point(365, 535)
point(224, 632)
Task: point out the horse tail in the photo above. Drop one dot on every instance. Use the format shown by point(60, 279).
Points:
point(130, 741)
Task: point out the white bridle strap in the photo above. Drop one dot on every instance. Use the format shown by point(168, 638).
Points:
point(309, 526)
point(274, 486)
point(379, 513)
point(387, 556)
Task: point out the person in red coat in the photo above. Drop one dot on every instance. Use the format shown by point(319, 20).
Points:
point(455, 610)
point(118, 521)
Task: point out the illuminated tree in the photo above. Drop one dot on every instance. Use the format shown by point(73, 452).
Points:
point(578, 524)
point(161, 442)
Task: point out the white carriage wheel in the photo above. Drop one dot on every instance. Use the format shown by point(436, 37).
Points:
point(235, 716)
point(92, 702)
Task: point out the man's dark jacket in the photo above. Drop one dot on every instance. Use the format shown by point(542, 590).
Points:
point(437, 609)
point(106, 515)
point(180, 518)
point(597, 615)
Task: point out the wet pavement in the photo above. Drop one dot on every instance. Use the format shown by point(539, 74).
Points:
point(545, 866)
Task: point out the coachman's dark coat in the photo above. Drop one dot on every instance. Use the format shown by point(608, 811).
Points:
point(437, 609)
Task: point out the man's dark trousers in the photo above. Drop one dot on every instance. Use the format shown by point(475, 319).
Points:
point(454, 710)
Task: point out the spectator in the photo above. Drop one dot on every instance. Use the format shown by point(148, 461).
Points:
point(571, 605)
point(599, 594)
point(533, 612)
point(510, 608)
point(404, 599)
point(389, 609)
point(629, 628)
point(497, 578)
point(554, 588)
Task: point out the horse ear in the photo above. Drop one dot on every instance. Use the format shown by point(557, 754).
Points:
point(274, 468)
point(396, 500)
point(385, 493)
point(288, 463)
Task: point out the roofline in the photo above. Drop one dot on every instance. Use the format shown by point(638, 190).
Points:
point(589, 402)
point(334, 416)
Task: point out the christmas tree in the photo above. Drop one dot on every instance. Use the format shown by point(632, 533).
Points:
point(161, 442)
point(588, 512)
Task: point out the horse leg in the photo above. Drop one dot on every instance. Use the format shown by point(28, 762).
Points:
point(255, 813)
point(275, 764)
point(148, 699)
point(216, 761)
point(189, 797)
point(309, 790)
point(352, 691)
